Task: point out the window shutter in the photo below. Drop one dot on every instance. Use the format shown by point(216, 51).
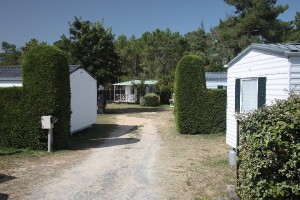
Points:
point(261, 101)
point(237, 94)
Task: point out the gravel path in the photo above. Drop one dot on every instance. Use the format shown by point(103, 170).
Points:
point(122, 168)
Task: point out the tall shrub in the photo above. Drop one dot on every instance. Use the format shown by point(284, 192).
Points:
point(46, 77)
point(270, 152)
point(190, 93)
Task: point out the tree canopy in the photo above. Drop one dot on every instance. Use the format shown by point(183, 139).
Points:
point(255, 21)
point(93, 47)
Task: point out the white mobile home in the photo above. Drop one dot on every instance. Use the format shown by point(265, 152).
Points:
point(131, 93)
point(83, 93)
point(256, 77)
point(216, 80)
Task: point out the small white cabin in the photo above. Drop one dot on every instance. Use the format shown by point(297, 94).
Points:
point(83, 99)
point(131, 93)
point(256, 77)
point(216, 80)
point(83, 93)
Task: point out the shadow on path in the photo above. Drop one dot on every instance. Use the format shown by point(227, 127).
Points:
point(3, 196)
point(4, 178)
point(102, 135)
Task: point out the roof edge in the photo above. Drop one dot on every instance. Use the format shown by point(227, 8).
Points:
point(262, 47)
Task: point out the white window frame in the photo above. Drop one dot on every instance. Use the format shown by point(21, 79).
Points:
point(242, 91)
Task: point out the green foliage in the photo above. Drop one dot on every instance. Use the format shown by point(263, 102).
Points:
point(255, 22)
point(16, 124)
point(215, 117)
point(215, 68)
point(31, 43)
point(11, 55)
point(94, 48)
point(130, 53)
point(190, 93)
point(294, 34)
point(165, 94)
point(46, 91)
point(270, 152)
point(164, 88)
point(150, 99)
point(46, 77)
point(197, 110)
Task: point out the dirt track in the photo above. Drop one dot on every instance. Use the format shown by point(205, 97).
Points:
point(123, 168)
point(144, 158)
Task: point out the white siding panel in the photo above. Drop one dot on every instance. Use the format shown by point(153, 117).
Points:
point(213, 83)
point(83, 101)
point(256, 64)
point(295, 74)
point(12, 83)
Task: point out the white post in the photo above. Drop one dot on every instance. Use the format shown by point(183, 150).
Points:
point(50, 139)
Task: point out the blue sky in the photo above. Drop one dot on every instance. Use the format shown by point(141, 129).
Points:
point(47, 20)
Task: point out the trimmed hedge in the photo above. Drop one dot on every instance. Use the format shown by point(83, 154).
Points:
point(150, 99)
point(269, 158)
point(16, 126)
point(45, 91)
point(190, 93)
point(215, 117)
point(197, 110)
point(46, 76)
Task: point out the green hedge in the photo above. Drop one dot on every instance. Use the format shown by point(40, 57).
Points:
point(150, 99)
point(16, 126)
point(46, 91)
point(215, 117)
point(197, 110)
point(46, 75)
point(269, 158)
point(190, 93)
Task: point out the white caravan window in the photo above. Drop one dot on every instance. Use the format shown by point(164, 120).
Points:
point(248, 95)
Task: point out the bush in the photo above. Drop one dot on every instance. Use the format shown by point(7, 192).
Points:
point(150, 99)
point(269, 158)
point(46, 91)
point(46, 75)
point(190, 93)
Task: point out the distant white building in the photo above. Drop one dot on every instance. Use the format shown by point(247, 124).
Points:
point(256, 77)
point(131, 93)
point(83, 93)
point(216, 80)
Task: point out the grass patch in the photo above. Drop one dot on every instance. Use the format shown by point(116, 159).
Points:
point(217, 163)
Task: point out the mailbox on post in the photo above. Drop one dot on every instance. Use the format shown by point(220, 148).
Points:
point(48, 123)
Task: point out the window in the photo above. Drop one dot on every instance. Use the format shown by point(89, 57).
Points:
point(248, 95)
